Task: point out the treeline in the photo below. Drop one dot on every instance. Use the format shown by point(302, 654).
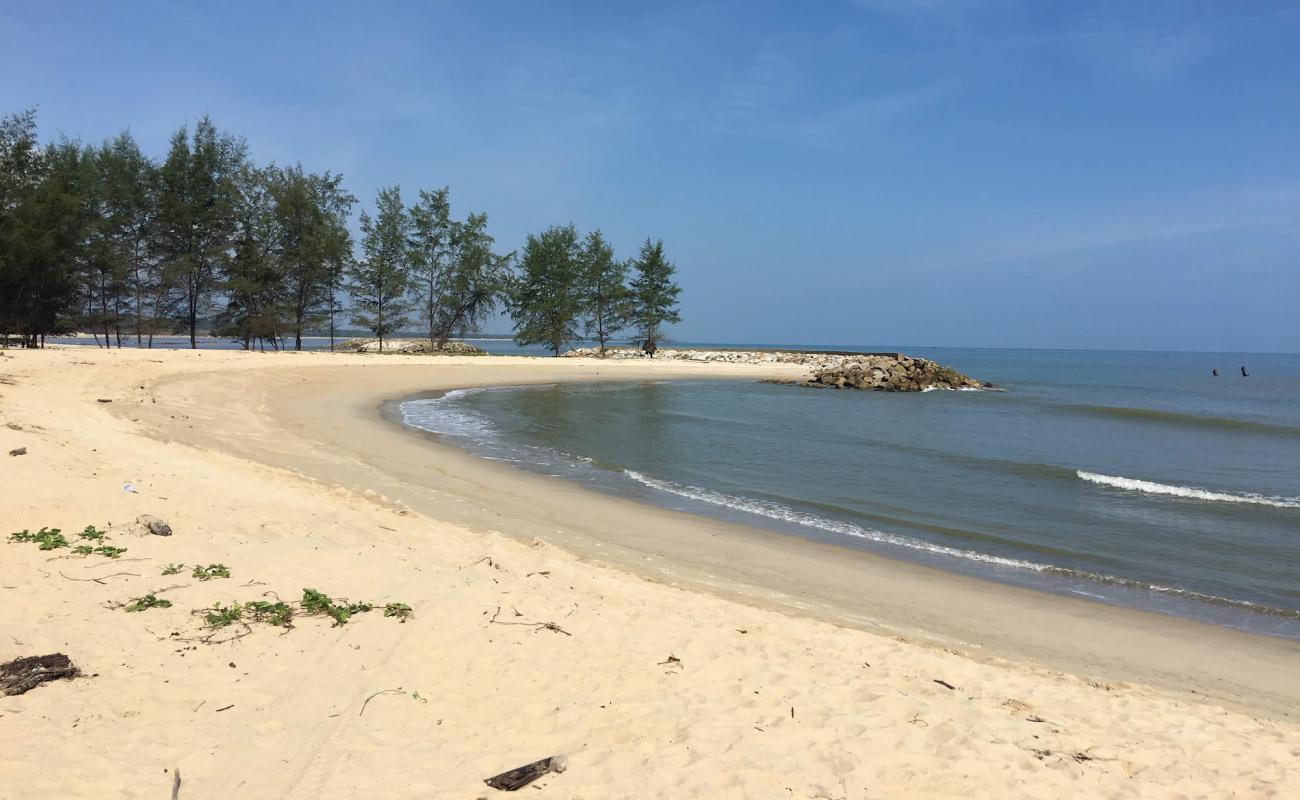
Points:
point(102, 239)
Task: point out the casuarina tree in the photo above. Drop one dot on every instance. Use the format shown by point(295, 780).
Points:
point(197, 214)
point(547, 296)
point(380, 280)
point(654, 295)
point(607, 301)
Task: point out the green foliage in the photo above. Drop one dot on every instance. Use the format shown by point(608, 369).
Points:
point(319, 603)
point(123, 288)
point(221, 616)
point(400, 610)
point(105, 239)
point(314, 602)
point(197, 218)
point(430, 253)
point(277, 613)
point(312, 243)
point(476, 280)
point(148, 601)
point(457, 277)
point(253, 283)
point(654, 294)
point(340, 613)
point(291, 242)
point(607, 301)
point(173, 569)
point(45, 538)
point(211, 571)
point(546, 298)
point(45, 217)
point(53, 539)
point(379, 282)
point(92, 533)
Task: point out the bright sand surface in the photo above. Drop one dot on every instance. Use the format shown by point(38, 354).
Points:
point(692, 658)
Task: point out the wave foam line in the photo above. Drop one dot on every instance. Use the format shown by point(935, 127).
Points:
point(1191, 492)
point(780, 512)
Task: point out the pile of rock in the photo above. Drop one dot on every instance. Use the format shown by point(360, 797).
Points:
point(880, 372)
point(453, 347)
point(891, 374)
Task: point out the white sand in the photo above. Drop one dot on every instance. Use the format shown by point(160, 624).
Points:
point(783, 689)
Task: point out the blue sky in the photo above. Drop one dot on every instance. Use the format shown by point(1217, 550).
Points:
point(879, 172)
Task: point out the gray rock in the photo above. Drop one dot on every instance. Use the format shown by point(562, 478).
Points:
point(154, 525)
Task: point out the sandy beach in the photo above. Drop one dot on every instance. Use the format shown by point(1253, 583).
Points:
point(663, 655)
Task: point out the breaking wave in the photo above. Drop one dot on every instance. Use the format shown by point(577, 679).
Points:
point(1191, 492)
point(779, 512)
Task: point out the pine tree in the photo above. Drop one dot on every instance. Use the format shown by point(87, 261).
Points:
point(380, 280)
point(547, 297)
point(654, 295)
point(607, 299)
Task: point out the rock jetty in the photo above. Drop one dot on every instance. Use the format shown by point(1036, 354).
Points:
point(891, 374)
point(453, 347)
point(877, 372)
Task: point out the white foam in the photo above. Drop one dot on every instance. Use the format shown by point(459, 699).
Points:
point(1191, 492)
point(443, 415)
point(780, 512)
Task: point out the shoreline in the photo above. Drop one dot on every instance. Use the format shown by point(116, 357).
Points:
point(778, 571)
point(1010, 572)
point(662, 654)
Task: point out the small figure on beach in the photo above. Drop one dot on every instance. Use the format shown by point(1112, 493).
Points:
point(648, 347)
point(1244, 373)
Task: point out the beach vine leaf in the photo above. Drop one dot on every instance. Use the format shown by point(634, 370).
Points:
point(148, 601)
point(211, 571)
point(221, 616)
point(45, 538)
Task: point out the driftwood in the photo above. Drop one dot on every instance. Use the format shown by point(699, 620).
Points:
point(536, 626)
point(520, 777)
point(376, 694)
point(18, 451)
point(23, 674)
point(176, 783)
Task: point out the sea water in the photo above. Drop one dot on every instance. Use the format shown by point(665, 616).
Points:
point(1132, 478)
